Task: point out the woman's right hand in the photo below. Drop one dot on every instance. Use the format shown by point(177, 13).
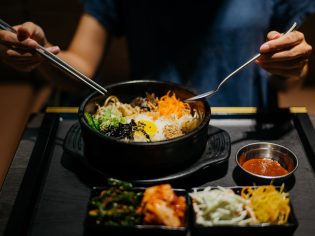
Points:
point(17, 50)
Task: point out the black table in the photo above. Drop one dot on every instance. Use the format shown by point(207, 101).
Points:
point(45, 194)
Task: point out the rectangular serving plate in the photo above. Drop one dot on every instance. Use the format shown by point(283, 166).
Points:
point(259, 229)
point(93, 228)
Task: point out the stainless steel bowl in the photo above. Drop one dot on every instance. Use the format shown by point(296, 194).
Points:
point(284, 156)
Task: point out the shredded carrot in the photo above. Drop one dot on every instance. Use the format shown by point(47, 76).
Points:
point(169, 104)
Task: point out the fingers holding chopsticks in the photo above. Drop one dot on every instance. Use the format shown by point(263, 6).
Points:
point(18, 44)
point(31, 34)
point(25, 36)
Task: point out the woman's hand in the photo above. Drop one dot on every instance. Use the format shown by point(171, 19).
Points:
point(17, 50)
point(285, 56)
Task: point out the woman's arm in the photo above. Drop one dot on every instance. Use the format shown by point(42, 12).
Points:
point(84, 53)
point(87, 46)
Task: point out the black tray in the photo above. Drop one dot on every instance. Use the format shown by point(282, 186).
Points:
point(52, 198)
point(217, 150)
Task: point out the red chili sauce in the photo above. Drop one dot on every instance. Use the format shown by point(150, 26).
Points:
point(264, 166)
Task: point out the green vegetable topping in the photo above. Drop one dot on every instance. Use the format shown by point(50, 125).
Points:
point(89, 118)
point(110, 118)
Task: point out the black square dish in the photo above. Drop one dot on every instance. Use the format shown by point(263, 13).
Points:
point(259, 229)
point(92, 227)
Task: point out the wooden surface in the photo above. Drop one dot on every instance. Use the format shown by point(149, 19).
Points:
point(17, 102)
point(301, 97)
point(15, 106)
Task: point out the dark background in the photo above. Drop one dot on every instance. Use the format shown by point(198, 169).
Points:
point(59, 19)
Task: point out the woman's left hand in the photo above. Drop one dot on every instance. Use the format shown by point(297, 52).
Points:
point(285, 55)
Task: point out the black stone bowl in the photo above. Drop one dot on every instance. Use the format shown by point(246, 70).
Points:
point(131, 160)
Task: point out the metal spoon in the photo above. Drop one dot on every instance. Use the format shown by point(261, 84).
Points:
point(212, 92)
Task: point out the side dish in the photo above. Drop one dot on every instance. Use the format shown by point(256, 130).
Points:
point(145, 119)
point(160, 205)
point(120, 204)
point(116, 205)
point(268, 204)
point(254, 205)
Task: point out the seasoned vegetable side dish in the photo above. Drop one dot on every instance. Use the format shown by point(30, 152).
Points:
point(121, 205)
point(146, 119)
point(116, 205)
point(259, 205)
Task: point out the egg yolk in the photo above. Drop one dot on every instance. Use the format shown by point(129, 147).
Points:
point(149, 127)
